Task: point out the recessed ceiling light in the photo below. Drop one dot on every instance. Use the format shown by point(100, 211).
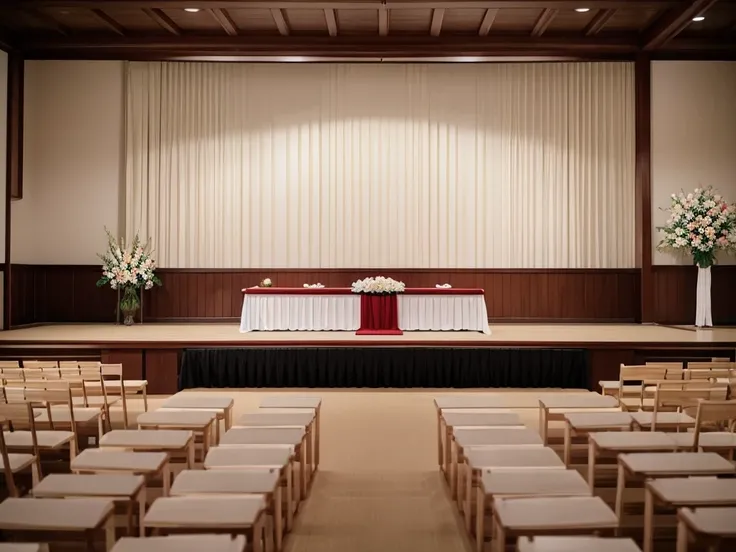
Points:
point(698, 18)
point(582, 10)
point(191, 10)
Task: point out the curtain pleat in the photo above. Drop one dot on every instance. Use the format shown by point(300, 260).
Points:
point(355, 166)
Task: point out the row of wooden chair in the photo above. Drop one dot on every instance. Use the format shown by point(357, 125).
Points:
point(494, 465)
point(255, 477)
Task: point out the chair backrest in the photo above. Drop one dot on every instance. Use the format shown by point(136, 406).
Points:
point(13, 373)
point(88, 364)
point(720, 359)
point(54, 394)
point(719, 412)
point(710, 374)
point(113, 384)
point(40, 364)
point(16, 417)
point(7, 471)
point(9, 364)
point(726, 365)
point(680, 396)
point(666, 364)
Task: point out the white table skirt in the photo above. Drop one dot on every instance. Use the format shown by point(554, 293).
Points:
point(298, 312)
point(272, 312)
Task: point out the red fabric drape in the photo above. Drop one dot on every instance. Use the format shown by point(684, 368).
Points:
point(379, 315)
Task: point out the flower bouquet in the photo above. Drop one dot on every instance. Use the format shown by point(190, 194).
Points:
point(700, 224)
point(379, 285)
point(316, 286)
point(128, 269)
point(266, 282)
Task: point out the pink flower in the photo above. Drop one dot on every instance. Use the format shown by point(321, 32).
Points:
point(724, 207)
point(723, 241)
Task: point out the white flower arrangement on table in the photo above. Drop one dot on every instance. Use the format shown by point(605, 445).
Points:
point(700, 223)
point(131, 267)
point(317, 285)
point(443, 286)
point(379, 285)
point(266, 282)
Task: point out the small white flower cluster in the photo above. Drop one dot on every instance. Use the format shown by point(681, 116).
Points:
point(443, 286)
point(317, 285)
point(266, 282)
point(378, 285)
point(701, 223)
point(128, 267)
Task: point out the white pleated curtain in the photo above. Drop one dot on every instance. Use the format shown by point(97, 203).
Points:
point(412, 166)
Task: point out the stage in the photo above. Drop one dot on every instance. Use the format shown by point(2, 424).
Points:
point(173, 356)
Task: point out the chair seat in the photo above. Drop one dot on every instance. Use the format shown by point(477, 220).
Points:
point(123, 461)
point(46, 439)
point(663, 418)
point(130, 385)
point(18, 462)
point(68, 514)
point(95, 400)
point(205, 512)
point(81, 415)
point(60, 485)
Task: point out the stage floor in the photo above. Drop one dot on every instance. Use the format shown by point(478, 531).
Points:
point(191, 335)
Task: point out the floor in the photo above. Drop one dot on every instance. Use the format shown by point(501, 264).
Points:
point(501, 333)
point(378, 489)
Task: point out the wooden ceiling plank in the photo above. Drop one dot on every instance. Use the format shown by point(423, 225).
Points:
point(673, 22)
point(163, 20)
point(344, 4)
point(108, 21)
point(487, 23)
point(599, 21)
point(331, 21)
point(280, 20)
point(48, 21)
point(544, 21)
point(225, 21)
point(382, 21)
point(438, 14)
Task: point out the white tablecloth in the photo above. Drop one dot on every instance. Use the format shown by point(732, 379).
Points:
point(299, 312)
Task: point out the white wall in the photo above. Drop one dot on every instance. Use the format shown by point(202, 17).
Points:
point(693, 135)
point(72, 162)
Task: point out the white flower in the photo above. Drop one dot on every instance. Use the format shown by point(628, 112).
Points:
point(267, 282)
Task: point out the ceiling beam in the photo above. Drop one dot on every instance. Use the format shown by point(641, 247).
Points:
point(487, 23)
point(598, 22)
point(108, 21)
point(382, 21)
point(673, 23)
point(280, 20)
point(438, 14)
point(331, 21)
point(544, 21)
point(163, 20)
point(47, 21)
point(225, 21)
point(394, 46)
point(345, 4)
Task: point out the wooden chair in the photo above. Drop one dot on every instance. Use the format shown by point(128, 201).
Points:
point(709, 525)
point(195, 401)
point(172, 442)
point(630, 390)
point(717, 414)
point(554, 407)
point(579, 424)
point(579, 515)
point(673, 401)
point(263, 482)
point(129, 490)
point(9, 364)
point(40, 364)
point(103, 393)
point(692, 492)
point(300, 401)
point(244, 515)
point(82, 516)
point(200, 422)
point(181, 543)
point(19, 417)
point(53, 439)
point(151, 465)
point(117, 385)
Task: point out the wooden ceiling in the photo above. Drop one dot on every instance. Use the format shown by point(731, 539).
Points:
point(368, 29)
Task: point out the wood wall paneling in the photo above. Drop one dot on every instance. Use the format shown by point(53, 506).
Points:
point(162, 371)
point(68, 293)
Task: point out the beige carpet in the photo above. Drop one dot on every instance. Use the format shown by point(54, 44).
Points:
point(379, 489)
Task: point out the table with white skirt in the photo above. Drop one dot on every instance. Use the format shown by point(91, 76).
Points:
point(338, 309)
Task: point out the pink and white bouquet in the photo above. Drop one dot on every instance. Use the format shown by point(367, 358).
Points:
point(700, 223)
point(378, 285)
point(132, 267)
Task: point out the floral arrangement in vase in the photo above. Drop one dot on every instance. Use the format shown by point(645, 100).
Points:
point(317, 285)
point(379, 285)
point(128, 269)
point(700, 224)
point(266, 282)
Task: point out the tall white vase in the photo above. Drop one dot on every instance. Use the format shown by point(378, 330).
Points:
point(703, 314)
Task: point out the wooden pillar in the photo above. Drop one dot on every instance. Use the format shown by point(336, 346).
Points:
point(643, 181)
point(14, 168)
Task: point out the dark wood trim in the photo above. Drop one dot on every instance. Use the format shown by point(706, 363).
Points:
point(225, 21)
point(163, 20)
point(14, 169)
point(108, 21)
point(544, 21)
point(674, 22)
point(643, 184)
point(598, 22)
